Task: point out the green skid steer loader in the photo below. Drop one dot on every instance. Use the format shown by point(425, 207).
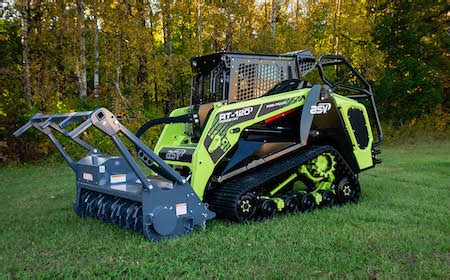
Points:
point(257, 140)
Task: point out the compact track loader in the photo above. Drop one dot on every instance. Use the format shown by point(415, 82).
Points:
point(257, 140)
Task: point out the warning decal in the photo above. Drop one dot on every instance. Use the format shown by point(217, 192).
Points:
point(118, 178)
point(181, 209)
point(88, 176)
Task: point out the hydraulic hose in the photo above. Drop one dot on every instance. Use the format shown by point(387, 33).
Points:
point(188, 118)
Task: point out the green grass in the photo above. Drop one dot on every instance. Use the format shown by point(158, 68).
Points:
point(399, 229)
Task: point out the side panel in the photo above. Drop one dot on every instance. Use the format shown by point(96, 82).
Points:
point(225, 126)
point(356, 120)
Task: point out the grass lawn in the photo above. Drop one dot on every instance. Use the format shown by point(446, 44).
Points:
point(401, 228)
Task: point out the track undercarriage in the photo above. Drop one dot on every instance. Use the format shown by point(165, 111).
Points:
point(312, 178)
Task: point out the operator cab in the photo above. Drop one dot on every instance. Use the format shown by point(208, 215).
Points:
point(233, 77)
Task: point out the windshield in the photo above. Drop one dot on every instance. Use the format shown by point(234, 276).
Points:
point(209, 87)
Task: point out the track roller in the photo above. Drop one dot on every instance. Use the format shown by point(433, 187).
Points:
point(328, 198)
point(267, 208)
point(307, 202)
point(291, 202)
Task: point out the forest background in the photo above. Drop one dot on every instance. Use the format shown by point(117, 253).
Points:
point(132, 56)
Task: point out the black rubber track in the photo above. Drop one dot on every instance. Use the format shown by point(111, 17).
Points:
point(224, 198)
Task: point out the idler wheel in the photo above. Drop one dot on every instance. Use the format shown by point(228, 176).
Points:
point(246, 207)
point(346, 191)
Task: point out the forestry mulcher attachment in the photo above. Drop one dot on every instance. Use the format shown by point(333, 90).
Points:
point(257, 140)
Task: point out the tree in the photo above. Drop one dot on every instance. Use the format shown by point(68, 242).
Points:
point(413, 36)
point(25, 13)
point(96, 51)
point(82, 76)
point(273, 23)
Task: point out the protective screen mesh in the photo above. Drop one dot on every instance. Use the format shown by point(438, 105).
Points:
point(255, 79)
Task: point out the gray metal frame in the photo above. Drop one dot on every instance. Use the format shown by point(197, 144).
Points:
point(106, 122)
point(158, 199)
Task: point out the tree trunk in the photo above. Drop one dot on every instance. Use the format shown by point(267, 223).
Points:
point(264, 29)
point(297, 15)
point(182, 95)
point(215, 45)
point(273, 22)
point(82, 73)
point(155, 88)
point(336, 26)
point(96, 51)
point(118, 78)
point(167, 25)
point(167, 30)
point(229, 33)
point(26, 51)
point(152, 39)
point(199, 26)
point(142, 60)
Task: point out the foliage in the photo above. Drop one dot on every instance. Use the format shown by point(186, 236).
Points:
point(414, 39)
point(145, 47)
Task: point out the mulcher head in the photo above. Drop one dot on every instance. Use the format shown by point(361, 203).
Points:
point(115, 188)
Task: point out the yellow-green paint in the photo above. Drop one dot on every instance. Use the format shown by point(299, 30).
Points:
point(282, 185)
point(202, 166)
point(363, 156)
point(173, 134)
point(201, 159)
point(279, 201)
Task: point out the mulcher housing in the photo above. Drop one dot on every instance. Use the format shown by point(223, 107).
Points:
point(256, 140)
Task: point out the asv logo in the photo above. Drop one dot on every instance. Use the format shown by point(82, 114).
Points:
point(234, 115)
point(321, 108)
point(175, 154)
